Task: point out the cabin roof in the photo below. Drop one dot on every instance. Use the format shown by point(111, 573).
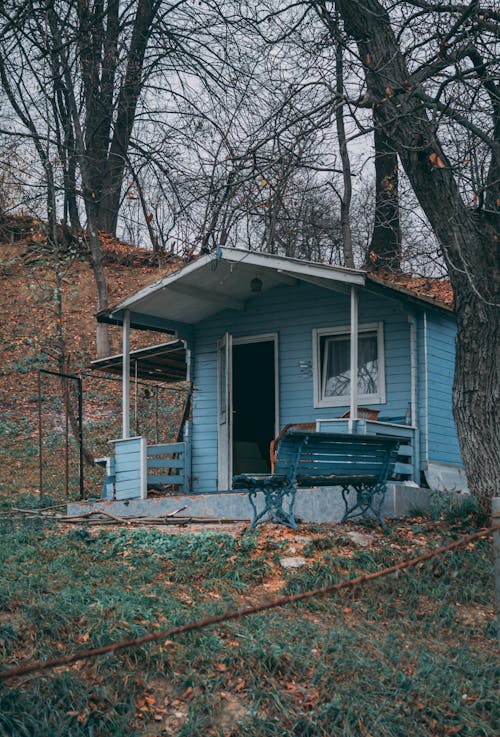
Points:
point(227, 278)
point(215, 282)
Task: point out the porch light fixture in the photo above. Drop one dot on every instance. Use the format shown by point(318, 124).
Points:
point(256, 284)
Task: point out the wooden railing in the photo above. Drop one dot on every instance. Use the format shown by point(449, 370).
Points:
point(168, 465)
point(136, 467)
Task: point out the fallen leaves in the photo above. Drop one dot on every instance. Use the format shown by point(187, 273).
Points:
point(239, 685)
point(146, 705)
point(433, 287)
point(304, 696)
point(436, 161)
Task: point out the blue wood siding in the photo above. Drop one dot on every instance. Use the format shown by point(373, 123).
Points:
point(292, 312)
point(443, 441)
point(422, 390)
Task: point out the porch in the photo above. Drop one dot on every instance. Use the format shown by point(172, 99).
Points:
point(311, 505)
point(136, 466)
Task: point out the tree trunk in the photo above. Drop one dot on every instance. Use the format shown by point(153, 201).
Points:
point(467, 239)
point(345, 200)
point(103, 346)
point(112, 179)
point(384, 252)
point(476, 391)
point(70, 201)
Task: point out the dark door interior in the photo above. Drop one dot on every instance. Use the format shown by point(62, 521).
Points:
point(253, 406)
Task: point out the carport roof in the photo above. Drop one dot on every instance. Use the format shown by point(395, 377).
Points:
point(165, 362)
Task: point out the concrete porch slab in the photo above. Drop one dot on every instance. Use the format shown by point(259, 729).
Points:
point(322, 504)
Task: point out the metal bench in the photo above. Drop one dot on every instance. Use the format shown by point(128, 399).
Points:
point(355, 463)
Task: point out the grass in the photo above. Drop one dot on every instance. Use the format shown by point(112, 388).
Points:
point(409, 654)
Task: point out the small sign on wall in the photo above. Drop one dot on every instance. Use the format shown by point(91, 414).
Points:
point(305, 368)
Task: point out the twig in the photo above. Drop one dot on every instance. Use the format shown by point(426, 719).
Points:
point(121, 520)
point(167, 520)
point(38, 512)
point(73, 517)
point(172, 514)
point(42, 509)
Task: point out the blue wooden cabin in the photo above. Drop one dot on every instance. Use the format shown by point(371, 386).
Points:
point(266, 341)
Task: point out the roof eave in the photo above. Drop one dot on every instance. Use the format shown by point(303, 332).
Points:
point(284, 265)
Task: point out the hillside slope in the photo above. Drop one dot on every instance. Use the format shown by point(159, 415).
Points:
point(30, 339)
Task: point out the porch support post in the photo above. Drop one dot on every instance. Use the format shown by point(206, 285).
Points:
point(187, 423)
point(136, 391)
point(353, 409)
point(126, 375)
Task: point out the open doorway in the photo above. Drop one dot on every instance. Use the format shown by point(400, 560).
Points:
point(254, 403)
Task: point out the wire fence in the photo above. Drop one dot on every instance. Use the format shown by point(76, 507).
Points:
point(54, 424)
point(60, 433)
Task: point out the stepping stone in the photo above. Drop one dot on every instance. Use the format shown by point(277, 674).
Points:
point(360, 538)
point(296, 562)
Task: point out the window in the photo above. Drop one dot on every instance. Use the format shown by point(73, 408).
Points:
point(332, 371)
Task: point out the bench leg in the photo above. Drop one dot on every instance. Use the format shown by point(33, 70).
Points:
point(257, 518)
point(273, 507)
point(368, 502)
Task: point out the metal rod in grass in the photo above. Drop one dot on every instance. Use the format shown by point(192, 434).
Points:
point(115, 647)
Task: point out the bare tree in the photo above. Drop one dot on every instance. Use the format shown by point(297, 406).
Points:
point(78, 76)
point(266, 166)
point(65, 97)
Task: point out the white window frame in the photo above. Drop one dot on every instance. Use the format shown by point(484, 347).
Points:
point(343, 401)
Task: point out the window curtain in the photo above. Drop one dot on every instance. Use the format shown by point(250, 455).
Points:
point(336, 365)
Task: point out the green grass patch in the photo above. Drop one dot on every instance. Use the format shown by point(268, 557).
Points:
point(408, 654)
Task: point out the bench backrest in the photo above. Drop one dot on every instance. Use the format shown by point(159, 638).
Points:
point(304, 456)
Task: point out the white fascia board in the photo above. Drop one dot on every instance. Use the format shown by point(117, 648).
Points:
point(287, 266)
point(320, 282)
point(291, 266)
